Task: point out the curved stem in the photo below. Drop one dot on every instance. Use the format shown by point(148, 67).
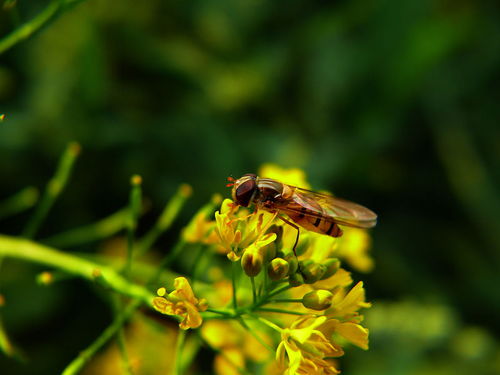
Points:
point(27, 250)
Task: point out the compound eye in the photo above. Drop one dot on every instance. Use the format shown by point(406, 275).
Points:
point(244, 192)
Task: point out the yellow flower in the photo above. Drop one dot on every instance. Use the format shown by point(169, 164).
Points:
point(226, 227)
point(353, 246)
point(352, 332)
point(303, 348)
point(291, 176)
point(181, 302)
point(237, 230)
point(346, 306)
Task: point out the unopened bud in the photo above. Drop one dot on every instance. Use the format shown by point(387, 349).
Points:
point(303, 245)
point(293, 264)
point(312, 272)
point(252, 261)
point(318, 299)
point(296, 279)
point(278, 269)
point(332, 266)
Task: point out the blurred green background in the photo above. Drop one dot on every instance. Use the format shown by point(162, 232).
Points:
point(392, 104)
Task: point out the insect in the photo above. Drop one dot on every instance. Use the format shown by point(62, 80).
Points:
point(317, 212)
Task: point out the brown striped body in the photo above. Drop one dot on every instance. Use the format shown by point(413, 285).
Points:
point(312, 216)
point(317, 212)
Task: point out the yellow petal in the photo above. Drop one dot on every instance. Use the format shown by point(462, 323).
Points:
point(354, 333)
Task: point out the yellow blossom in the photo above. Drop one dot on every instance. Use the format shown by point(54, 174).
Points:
point(181, 302)
point(347, 305)
point(237, 230)
point(353, 332)
point(303, 348)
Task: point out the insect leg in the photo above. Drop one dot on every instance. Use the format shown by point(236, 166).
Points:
point(298, 232)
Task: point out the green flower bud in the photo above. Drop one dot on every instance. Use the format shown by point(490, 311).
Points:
point(312, 272)
point(296, 279)
point(318, 299)
point(252, 261)
point(293, 263)
point(303, 245)
point(332, 266)
point(278, 269)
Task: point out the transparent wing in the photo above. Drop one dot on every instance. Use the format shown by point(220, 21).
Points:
point(310, 203)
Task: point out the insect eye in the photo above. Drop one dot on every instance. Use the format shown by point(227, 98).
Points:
point(244, 192)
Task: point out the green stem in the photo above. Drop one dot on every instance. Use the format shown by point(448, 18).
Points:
point(167, 217)
point(257, 337)
point(284, 300)
point(30, 251)
point(118, 305)
point(225, 313)
point(254, 292)
point(19, 202)
point(103, 228)
point(53, 189)
point(181, 338)
point(134, 208)
point(29, 28)
point(265, 309)
point(270, 324)
point(280, 290)
point(77, 364)
point(234, 266)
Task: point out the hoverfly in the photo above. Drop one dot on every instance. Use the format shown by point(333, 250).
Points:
point(317, 212)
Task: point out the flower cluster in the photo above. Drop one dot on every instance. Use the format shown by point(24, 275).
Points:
point(305, 296)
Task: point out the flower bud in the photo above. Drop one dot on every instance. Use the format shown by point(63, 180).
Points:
point(318, 299)
point(296, 279)
point(332, 266)
point(278, 269)
point(312, 272)
point(303, 245)
point(252, 261)
point(293, 263)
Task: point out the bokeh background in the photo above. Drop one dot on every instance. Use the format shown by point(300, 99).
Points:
point(393, 104)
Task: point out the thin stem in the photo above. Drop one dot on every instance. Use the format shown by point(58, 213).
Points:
point(284, 300)
point(41, 19)
point(167, 217)
point(134, 208)
point(233, 281)
point(254, 291)
point(279, 290)
point(265, 309)
point(103, 228)
point(181, 338)
point(30, 251)
point(127, 369)
point(19, 202)
point(53, 189)
point(269, 324)
point(257, 337)
point(225, 313)
point(77, 364)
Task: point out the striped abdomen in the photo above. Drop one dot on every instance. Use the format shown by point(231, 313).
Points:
point(309, 214)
